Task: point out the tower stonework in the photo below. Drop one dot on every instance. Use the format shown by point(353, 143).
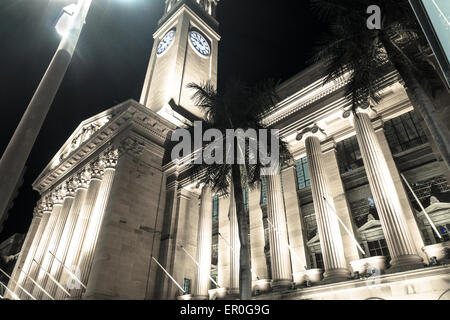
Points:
point(185, 50)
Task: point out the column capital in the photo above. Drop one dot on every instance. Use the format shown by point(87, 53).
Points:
point(97, 169)
point(69, 188)
point(57, 196)
point(110, 158)
point(314, 131)
point(38, 210)
point(349, 114)
point(83, 178)
point(47, 204)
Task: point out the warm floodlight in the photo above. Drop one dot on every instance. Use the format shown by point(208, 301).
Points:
point(66, 19)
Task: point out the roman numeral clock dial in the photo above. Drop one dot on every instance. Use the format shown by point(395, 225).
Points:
point(166, 41)
point(200, 43)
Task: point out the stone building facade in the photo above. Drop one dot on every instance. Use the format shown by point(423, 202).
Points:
point(118, 220)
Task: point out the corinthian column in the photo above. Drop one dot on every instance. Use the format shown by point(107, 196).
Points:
point(81, 181)
point(327, 222)
point(90, 241)
point(387, 202)
point(204, 245)
point(76, 244)
point(57, 197)
point(235, 245)
point(69, 190)
point(278, 236)
point(29, 247)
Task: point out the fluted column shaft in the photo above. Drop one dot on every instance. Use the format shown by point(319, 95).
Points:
point(38, 257)
point(327, 222)
point(79, 235)
point(204, 244)
point(54, 240)
point(257, 236)
point(278, 236)
point(235, 245)
point(57, 267)
point(398, 239)
point(29, 247)
point(90, 240)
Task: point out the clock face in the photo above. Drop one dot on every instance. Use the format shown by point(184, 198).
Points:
point(200, 43)
point(166, 41)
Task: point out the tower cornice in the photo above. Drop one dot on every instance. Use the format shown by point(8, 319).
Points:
point(195, 8)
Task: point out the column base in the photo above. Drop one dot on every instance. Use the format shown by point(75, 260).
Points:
point(336, 275)
point(362, 266)
point(75, 294)
point(281, 284)
point(299, 278)
point(186, 297)
point(234, 292)
point(218, 293)
point(200, 298)
point(314, 275)
point(405, 263)
point(261, 286)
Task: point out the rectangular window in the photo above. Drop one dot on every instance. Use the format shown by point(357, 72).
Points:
point(215, 208)
point(378, 248)
point(444, 231)
point(316, 260)
point(263, 190)
point(303, 178)
point(349, 155)
point(319, 261)
point(187, 286)
point(404, 132)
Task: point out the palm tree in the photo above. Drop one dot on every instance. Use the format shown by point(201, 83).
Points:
point(238, 107)
point(350, 46)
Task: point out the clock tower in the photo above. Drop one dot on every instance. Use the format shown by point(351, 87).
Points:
point(185, 50)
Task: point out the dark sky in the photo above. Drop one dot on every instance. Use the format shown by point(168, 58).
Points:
point(260, 39)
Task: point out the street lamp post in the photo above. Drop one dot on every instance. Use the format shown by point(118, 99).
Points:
point(16, 154)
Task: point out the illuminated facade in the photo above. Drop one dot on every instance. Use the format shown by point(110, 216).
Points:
point(119, 220)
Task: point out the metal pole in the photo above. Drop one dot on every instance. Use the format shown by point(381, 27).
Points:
point(16, 154)
point(344, 226)
point(12, 293)
point(289, 246)
point(198, 266)
point(37, 285)
point(52, 278)
point(168, 274)
point(421, 207)
point(69, 271)
point(28, 294)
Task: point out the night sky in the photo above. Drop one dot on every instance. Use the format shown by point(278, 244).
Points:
point(260, 39)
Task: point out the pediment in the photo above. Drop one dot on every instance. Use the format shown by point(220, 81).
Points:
point(314, 241)
point(371, 224)
point(99, 130)
point(435, 207)
point(82, 133)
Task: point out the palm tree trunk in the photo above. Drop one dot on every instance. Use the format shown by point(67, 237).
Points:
point(245, 274)
point(420, 100)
